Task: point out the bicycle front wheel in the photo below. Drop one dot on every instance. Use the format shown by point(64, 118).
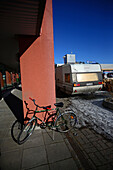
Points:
point(16, 129)
point(27, 131)
point(65, 122)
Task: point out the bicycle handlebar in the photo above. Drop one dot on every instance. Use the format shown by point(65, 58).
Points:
point(34, 102)
point(30, 98)
point(38, 105)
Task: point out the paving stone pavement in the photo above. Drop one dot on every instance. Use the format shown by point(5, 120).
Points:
point(97, 150)
point(94, 150)
point(40, 152)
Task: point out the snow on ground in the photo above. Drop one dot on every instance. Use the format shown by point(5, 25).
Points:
point(90, 111)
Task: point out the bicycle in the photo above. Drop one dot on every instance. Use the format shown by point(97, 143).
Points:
point(60, 122)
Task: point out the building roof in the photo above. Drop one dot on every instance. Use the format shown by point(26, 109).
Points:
point(106, 67)
point(18, 18)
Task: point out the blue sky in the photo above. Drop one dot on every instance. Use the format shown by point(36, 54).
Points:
point(84, 27)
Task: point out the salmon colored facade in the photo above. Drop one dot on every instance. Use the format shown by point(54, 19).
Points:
point(37, 65)
point(13, 78)
point(8, 78)
point(1, 81)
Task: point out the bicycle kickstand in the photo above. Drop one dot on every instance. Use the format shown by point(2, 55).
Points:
point(53, 135)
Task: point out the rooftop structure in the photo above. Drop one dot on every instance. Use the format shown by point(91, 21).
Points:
point(69, 59)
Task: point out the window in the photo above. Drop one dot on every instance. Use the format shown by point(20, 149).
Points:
point(87, 77)
point(67, 78)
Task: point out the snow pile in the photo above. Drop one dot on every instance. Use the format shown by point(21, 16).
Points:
point(91, 112)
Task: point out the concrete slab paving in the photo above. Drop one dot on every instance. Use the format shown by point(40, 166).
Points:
point(3, 133)
point(33, 157)
point(35, 140)
point(42, 167)
point(67, 164)
point(57, 152)
point(11, 160)
point(8, 145)
point(48, 137)
point(40, 152)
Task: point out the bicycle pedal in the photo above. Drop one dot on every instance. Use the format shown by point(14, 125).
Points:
point(53, 128)
point(42, 126)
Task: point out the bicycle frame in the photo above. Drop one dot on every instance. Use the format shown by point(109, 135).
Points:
point(44, 110)
point(34, 112)
point(54, 120)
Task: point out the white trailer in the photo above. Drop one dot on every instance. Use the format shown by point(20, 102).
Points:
point(79, 78)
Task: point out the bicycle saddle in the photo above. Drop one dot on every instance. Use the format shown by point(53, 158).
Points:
point(46, 107)
point(60, 104)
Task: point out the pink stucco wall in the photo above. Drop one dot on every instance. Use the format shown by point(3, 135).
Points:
point(37, 65)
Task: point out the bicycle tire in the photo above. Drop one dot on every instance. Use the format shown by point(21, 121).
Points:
point(27, 131)
point(65, 122)
point(16, 129)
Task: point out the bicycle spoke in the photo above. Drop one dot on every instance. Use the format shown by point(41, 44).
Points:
point(65, 122)
point(26, 131)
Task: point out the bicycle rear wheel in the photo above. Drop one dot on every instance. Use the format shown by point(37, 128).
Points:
point(65, 122)
point(27, 131)
point(16, 129)
point(50, 121)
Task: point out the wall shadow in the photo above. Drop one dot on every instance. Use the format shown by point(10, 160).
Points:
point(19, 88)
point(16, 106)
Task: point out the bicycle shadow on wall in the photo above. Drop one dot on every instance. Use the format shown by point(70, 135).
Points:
point(16, 106)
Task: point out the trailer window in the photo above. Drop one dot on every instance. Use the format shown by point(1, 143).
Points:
point(67, 78)
point(87, 77)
